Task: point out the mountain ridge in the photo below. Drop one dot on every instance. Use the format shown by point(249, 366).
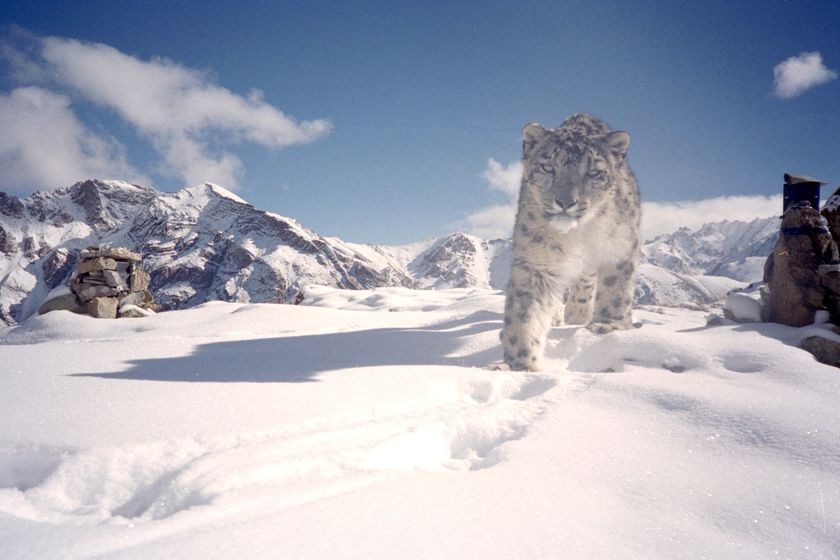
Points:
point(204, 243)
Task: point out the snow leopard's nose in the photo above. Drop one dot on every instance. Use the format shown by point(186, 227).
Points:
point(567, 205)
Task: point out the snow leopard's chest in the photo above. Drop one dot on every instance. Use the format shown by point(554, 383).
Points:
point(609, 234)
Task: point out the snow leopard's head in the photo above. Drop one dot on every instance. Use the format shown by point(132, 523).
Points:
point(574, 168)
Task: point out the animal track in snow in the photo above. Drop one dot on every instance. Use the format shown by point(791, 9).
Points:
point(26, 467)
point(743, 363)
point(464, 429)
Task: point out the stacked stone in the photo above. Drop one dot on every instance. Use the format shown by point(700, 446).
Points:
point(803, 273)
point(109, 283)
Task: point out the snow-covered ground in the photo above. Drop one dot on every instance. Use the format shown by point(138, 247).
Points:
point(364, 424)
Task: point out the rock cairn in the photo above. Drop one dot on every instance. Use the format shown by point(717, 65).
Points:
point(802, 279)
point(110, 283)
point(803, 273)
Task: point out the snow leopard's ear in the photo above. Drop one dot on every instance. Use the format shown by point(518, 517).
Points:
point(531, 134)
point(618, 143)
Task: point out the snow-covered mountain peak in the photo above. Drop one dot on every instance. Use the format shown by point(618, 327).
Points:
point(106, 204)
point(205, 243)
point(452, 261)
point(201, 243)
point(832, 203)
point(223, 192)
point(707, 249)
point(207, 192)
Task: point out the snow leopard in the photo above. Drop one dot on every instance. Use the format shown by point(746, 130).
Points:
point(576, 236)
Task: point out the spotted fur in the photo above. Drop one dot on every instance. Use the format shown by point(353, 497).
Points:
point(576, 236)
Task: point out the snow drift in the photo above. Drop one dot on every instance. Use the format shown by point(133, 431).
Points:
point(363, 424)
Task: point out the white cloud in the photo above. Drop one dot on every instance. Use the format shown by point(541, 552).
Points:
point(44, 145)
point(494, 222)
point(190, 121)
point(800, 73)
point(668, 217)
point(491, 222)
point(189, 160)
point(504, 178)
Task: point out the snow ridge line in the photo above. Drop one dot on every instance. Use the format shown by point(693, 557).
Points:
point(141, 483)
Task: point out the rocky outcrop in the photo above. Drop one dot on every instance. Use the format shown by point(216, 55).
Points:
point(831, 212)
point(11, 206)
point(8, 242)
point(803, 273)
point(825, 350)
point(58, 264)
point(451, 262)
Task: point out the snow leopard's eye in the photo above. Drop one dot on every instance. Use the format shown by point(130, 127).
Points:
point(597, 174)
point(546, 168)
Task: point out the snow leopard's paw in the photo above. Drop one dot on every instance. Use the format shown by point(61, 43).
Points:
point(498, 366)
point(606, 328)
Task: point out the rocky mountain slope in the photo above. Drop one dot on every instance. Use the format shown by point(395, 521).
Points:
point(693, 268)
point(199, 244)
point(205, 243)
point(729, 248)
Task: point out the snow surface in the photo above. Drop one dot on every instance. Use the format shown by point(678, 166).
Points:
point(363, 424)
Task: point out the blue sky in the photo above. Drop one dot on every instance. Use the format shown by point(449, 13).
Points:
point(376, 121)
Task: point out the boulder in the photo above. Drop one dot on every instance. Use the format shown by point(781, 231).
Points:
point(87, 292)
point(742, 307)
point(830, 278)
point(792, 272)
point(715, 320)
point(63, 302)
point(119, 253)
point(824, 350)
point(98, 263)
point(134, 298)
point(102, 307)
point(114, 279)
point(131, 298)
point(139, 280)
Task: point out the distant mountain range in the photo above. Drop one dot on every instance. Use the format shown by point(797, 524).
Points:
point(205, 243)
point(730, 248)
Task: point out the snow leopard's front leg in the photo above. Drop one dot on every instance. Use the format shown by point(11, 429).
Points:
point(530, 305)
point(579, 302)
point(614, 298)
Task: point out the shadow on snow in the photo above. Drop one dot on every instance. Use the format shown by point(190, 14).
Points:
point(293, 359)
